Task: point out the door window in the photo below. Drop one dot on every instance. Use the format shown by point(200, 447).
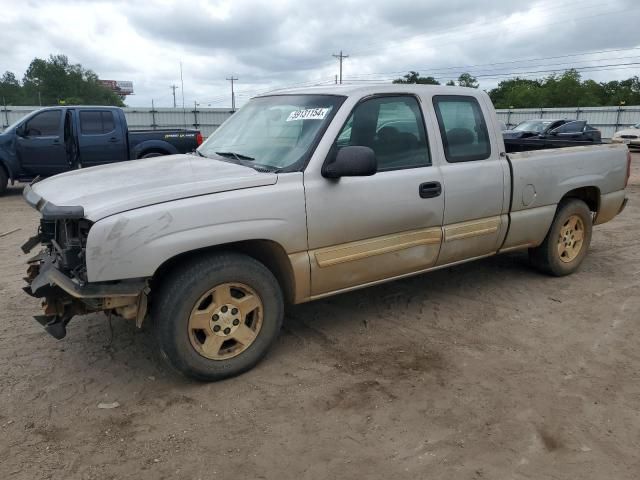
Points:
point(462, 127)
point(393, 128)
point(96, 123)
point(571, 127)
point(45, 124)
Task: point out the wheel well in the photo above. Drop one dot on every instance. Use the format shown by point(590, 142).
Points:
point(153, 150)
point(589, 195)
point(267, 252)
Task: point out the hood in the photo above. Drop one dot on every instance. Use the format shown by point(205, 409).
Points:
point(628, 131)
point(105, 190)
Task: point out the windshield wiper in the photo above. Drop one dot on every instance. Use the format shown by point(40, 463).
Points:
point(237, 156)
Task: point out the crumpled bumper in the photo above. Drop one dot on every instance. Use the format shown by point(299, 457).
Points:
point(65, 297)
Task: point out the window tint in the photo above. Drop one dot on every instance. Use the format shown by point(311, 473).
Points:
point(393, 128)
point(44, 124)
point(96, 123)
point(571, 127)
point(462, 127)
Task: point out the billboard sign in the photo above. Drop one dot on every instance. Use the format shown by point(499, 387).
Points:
point(118, 86)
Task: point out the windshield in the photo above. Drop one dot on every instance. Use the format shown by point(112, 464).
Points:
point(537, 126)
point(276, 132)
point(637, 125)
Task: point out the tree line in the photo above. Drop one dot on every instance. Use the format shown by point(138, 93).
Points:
point(55, 81)
point(562, 90)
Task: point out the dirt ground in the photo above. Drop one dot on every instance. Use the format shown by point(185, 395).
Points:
point(484, 371)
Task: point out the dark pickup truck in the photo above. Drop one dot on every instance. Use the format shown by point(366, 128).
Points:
point(53, 140)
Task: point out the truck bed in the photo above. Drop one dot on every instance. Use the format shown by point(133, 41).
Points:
point(541, 178)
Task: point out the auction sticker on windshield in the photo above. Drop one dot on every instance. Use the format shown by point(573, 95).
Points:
point(308, 114)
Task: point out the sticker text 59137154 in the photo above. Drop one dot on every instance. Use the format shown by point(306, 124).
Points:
point(308, 114)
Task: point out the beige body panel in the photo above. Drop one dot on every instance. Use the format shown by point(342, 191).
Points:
point(470, 239)
point(610, 206)
point(361, 263)
point(358, 263)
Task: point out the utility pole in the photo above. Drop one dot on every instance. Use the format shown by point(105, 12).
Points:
point(233, 95)
point(340, 57)
point(184, 112)
point(6, 113)
point(173, 87)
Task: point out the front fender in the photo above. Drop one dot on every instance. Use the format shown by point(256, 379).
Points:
point(135, 243)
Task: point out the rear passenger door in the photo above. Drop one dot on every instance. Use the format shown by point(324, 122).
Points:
point(100, 138)
point(474, 175)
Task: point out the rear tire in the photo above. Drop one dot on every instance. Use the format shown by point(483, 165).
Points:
point(4, 181)
point(216, 316)
point(567, 241)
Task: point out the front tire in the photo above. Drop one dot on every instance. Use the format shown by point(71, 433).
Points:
point(217, 315)
point(567, 241)
point(4, 181)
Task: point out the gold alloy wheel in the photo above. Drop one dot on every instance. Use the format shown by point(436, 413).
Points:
point(225, 321)
point(571, 238)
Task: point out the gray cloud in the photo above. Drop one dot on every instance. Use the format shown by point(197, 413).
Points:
point(281, 42)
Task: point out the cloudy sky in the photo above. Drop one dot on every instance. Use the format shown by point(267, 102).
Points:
point(269, 44)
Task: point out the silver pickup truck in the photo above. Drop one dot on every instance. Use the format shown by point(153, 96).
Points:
point(301, 195)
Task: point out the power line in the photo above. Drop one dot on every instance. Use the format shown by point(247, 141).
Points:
point(591, 68)
point(340, 58)
point(443, 69)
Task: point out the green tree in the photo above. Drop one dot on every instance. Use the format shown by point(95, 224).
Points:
point(467, 80)
point(414, 77)
point(55, 81)
point(565, 90)
point(9, 88)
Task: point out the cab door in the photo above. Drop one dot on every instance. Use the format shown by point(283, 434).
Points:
point(476, 177)
point(365, 229)
point(40, 144)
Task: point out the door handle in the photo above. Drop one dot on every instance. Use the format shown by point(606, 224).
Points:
point(113, 139)
point(430, 189)
point(56, 142)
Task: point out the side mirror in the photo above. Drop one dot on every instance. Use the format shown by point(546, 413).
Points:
point(353, 161)
point(21, 130)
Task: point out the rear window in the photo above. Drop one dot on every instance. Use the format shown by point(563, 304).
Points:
point(462, 127)
point(96, 122)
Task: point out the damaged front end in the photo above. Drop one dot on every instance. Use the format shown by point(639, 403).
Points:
point(58, 274)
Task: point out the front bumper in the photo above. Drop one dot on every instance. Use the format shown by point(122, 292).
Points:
point(634, 142)
point(65, 297)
